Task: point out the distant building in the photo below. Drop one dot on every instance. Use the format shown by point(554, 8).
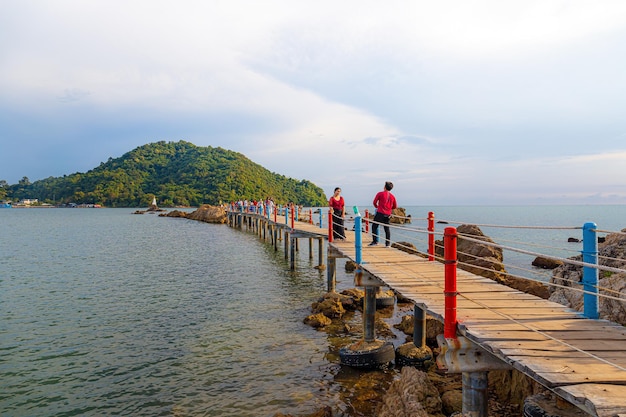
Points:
point(28, 201)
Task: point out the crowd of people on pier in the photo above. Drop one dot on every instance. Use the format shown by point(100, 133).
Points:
point(384, 202)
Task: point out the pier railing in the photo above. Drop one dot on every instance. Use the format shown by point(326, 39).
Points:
point(584, 372)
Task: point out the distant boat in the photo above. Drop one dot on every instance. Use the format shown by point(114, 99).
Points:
point(5, 205)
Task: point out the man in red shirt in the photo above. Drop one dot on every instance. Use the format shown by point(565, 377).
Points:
point(384, 202)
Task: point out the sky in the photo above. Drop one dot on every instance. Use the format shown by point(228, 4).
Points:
point(455, 102)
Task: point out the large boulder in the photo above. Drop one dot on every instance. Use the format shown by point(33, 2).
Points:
point(398, 216)
point(611, 253)
point(209, 214)
point(479, 259)
point(487, 260)
point(546, 263)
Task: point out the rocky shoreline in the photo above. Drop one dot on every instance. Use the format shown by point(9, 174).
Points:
point(422, 390)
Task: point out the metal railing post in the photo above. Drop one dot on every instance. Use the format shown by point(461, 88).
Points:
point(450, 261)
point(358, 244)
point(431, 236)
point(590, 274)
point(330, 225)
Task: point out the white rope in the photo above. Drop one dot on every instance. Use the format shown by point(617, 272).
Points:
point(512, 319)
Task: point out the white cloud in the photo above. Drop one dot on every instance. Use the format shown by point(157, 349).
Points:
point(453, 101)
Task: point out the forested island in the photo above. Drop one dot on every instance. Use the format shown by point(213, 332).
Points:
point(176, 173)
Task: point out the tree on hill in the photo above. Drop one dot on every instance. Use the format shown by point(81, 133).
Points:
point(178, 174)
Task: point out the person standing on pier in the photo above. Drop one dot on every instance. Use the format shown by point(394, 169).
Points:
point(338, 207)
point(384, 202)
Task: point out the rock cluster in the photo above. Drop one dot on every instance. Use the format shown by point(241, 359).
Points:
point(205, 213)
point(413, 394)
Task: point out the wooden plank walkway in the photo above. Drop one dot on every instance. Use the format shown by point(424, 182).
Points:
point(582, 360)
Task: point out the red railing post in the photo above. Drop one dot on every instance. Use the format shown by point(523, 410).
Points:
point(310, 216)
point(330, 225)
point(292, 214)
point(431, 236)
point(367, 221)
point(450, 260)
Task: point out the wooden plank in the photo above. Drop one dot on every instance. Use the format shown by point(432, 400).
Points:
point(603, 400)
point(559, 372)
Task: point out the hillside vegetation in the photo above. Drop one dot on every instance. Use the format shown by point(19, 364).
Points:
point(176, 173)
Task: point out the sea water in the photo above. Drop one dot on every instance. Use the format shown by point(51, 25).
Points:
point(103, 312)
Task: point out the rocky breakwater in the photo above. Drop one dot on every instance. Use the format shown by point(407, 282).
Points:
point(205, 213)
point(611, 253)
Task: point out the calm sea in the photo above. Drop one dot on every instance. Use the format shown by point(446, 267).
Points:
point(103, 312)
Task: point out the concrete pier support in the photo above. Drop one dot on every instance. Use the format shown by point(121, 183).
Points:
point(368, 353)
point(331, 274)
point(320, 251)
point(475, 394)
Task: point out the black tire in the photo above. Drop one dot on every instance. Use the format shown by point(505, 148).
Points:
point(542, 405)
point(368, 359)
point(385, 302)
point(420, 363)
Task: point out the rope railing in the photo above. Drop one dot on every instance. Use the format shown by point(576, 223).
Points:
point(592, 289)
point(450, 292)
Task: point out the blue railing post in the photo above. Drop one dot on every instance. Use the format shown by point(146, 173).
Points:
point(590, 274)
point(321, 222)
point(287, 214)
point(358, 244)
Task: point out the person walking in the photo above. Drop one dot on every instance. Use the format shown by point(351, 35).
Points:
point(338, 207)
point(384, 203)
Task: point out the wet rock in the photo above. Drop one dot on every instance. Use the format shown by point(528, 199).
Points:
point(413, 394)
point(329, 306)
point(356, 295)
point(351, 266)
point(174, 213)
point(546, 263)
point(382, 329)
point(317, 320)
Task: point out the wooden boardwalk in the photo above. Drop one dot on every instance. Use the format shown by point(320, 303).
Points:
point(581, 360)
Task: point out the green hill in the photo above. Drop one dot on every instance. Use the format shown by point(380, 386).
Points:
point(177, 174)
